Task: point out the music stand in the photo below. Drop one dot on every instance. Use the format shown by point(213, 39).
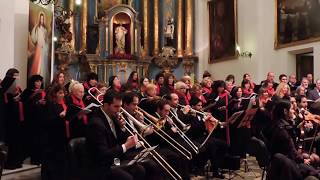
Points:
point(142, 155)
point(246, 123)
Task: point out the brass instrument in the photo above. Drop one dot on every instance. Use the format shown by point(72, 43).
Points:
point(182, 134)
point(157, 123)
point(97, 96)
point(157, 157)
point(209, 123)
point(143, 128)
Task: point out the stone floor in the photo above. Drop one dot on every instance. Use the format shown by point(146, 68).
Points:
point(29, 172)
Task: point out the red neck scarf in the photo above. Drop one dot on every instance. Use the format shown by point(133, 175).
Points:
point(67, 126)
point(207, 90)
point(80, 104)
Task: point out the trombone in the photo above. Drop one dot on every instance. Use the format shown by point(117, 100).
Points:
point(157, 157)
point(182, 133)
point(154, 122)
point(97, 96)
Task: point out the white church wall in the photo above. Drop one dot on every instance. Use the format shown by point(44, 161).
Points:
point(6, 36)
point(21, 23)
point(256, 33)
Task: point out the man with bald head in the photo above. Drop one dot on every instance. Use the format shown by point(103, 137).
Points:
point(270, 78)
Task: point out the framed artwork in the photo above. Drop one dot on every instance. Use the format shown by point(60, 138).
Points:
point(223, 30)
point(297, 22)
point(39, 42)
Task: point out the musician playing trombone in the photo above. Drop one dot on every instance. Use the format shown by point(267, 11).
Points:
point(109, 142)
point(176, 160)
point(213, 149)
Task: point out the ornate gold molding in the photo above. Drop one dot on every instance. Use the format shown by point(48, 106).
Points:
point(71, 7)
point(179, 30)
point(156, 28)
point(146, 27)
point(84, 24)
point(189, 28)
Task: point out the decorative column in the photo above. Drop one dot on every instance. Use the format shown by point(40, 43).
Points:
point(71, 7)
point(145, 27)
point(189, 28)
point(84, 24)
point(179, 29)
point(156, 28)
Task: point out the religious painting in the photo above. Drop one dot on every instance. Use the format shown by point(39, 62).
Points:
point(297, 22)
point(39, 42)
point(222, 30)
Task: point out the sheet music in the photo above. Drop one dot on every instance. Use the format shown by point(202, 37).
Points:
point(142, 155)
point(91, 105)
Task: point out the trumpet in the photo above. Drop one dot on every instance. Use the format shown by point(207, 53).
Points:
point(157, 157)
point(173, 143)
point(193, 110)
point(209, 123)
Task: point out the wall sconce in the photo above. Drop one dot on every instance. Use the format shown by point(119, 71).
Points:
point(244, 53)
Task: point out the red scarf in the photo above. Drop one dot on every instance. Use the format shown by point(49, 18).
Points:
point(80, 104)
point(66, 122)
point(207, 90)
point(158, 89)
point(43, 94)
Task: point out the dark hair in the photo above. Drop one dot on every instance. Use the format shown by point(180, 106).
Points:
point(166, 79)
point(244, 82)
point(278, 110)
point(229, 77)
point(110, 96)
point(194, 101)
point(217, 84)
point(52, 95)
point(281, 76)
point(161, 103)
point(262, 90)
point(33, 79)
point(265, 83)
point(206, 74)
point(111, 79)
point(244, 75)
point(234, 91)
point(159, 75)
point(56, 77)
point(128, 97)
point(142, 79)
point(11, 72)
point(299, 98)
point(92, 76)
point(130, 79)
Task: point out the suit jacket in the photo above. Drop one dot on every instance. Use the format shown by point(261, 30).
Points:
point(313, 94)
point(102, 145)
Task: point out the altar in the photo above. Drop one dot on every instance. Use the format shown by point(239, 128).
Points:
point(139, 36)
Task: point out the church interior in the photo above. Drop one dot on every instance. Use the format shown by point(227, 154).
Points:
point(159, 89)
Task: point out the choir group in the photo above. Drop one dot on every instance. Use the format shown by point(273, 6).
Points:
point(185, 125)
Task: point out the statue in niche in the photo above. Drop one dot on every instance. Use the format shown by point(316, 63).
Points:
point(120, 39)
point(169, 32)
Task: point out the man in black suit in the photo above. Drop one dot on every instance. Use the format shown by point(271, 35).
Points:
point(108, 141)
